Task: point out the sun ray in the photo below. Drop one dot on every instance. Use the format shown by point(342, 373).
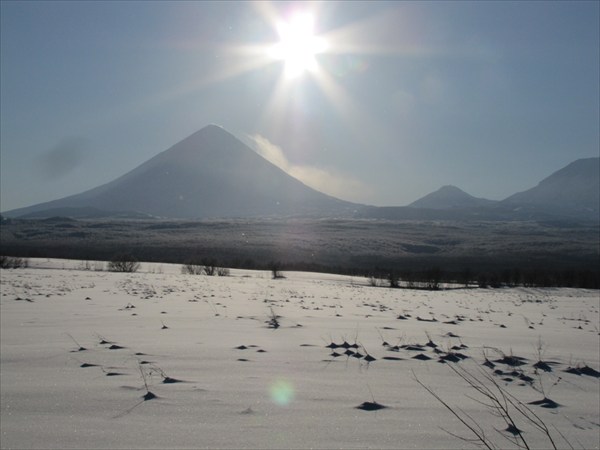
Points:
point(344, 105)
point(272, 113)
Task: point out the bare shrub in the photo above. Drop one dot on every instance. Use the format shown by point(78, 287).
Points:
point(275, 268)
point(205, 266)
point(192, 268)
point(273, 321)
point(209, 270)
point(209, 266)
point(499, 403)
point(13, 262)
point(393, 279)
point(123, 262)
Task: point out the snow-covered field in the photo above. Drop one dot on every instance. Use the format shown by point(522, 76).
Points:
point(223, 378)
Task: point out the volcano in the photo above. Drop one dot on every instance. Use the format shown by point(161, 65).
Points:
point(210, 174)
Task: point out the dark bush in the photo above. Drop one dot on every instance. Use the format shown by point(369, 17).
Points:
point(13, 262)
point(123, 262)
point(222, 271)
point(210, 266)
point(393, 279)
point(192, 268)
point(275, 268)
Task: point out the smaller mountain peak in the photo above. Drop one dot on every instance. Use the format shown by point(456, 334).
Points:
point(449, 197)
point(448, 188)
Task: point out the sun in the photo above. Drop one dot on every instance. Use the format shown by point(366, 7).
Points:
point(298, 45)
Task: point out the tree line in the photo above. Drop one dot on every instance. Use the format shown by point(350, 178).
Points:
point(429, 278)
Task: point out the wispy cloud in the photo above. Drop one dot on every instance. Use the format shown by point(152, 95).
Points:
point(327, 181)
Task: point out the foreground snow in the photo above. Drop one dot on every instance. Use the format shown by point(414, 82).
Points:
point(244, 384)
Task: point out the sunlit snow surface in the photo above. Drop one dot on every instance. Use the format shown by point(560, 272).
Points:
point(224, 378)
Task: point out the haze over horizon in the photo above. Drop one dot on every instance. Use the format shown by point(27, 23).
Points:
point(401, 99)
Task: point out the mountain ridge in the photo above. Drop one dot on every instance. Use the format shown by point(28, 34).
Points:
point(212, 174)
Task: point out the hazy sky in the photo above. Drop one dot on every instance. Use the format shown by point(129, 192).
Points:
point(407, 97)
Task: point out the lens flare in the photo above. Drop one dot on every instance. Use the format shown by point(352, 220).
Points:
point(282, 392)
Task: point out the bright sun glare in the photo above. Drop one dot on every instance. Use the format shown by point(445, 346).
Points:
point(298, 45)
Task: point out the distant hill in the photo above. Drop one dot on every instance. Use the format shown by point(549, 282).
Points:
point(450, 197)
point(571, 193)
point(574, 189)
point(209, 174)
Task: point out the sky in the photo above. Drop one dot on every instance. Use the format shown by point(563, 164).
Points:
point(399, 99)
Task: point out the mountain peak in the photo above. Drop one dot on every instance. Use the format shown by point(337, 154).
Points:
point(208, 174)
point(210, 135)
point(451, 189)
point(449, 197)
point(214, 130)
